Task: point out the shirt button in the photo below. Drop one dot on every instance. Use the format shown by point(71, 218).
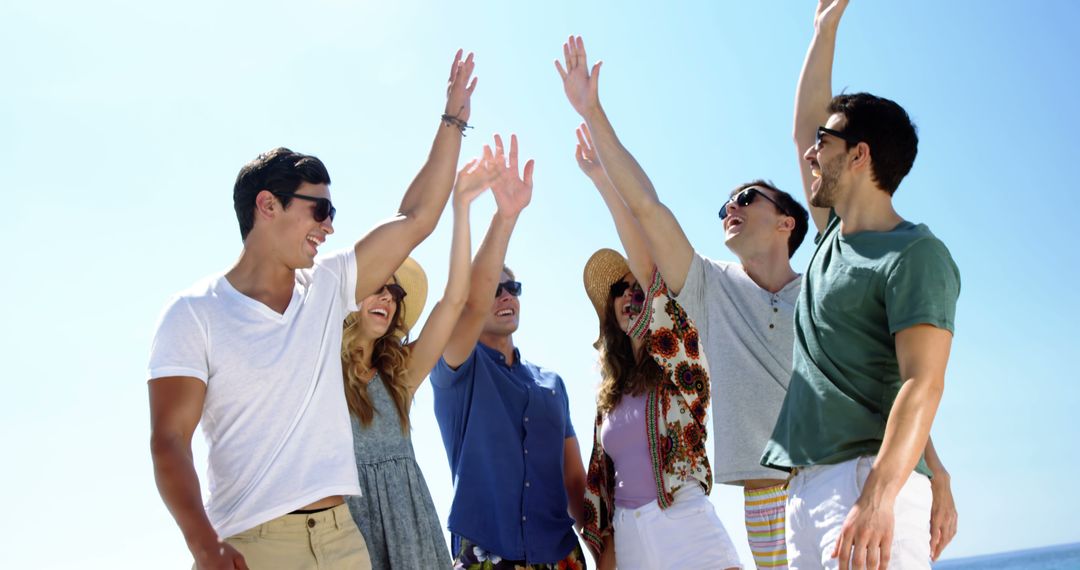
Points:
point(311, 523)
point(526, 419)
point(526, 452)
point(527, 484)
point(772, 326)
point(775, 310)
point(522, 518)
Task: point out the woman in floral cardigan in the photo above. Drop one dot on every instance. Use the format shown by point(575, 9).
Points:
point(648, 477)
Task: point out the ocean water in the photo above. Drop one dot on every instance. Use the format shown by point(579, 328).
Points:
point(1060, 557)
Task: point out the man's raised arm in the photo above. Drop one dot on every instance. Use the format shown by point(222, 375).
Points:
point(512, 193)
point(385, 247)
point(670, 248)
point(814, 92)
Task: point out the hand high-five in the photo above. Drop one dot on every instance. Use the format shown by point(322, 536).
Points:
point(459, 89)
point(512, 192)
point(581, 85)
point(474, 178)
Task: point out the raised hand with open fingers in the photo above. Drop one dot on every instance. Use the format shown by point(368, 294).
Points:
point(474, 178)
point(581, 84)
point(459, 88)
point(512, 192)
point(828, 14)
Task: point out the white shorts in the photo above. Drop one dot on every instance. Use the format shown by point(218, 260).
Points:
point(819, 499)
point(688, 534)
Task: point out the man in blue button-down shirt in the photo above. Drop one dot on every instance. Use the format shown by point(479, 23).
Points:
point(505, 422)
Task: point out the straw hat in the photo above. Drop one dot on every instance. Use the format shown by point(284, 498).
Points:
point(412, 278)
point(603, 269)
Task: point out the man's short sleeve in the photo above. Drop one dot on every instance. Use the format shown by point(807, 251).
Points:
point(343, 264)
point(180, 344)
point(692, 296)
point(569, 430)
point(443, 377)
point(922, 287)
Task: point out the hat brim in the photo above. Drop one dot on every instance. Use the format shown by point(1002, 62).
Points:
point(603, 269)
point(412, 278)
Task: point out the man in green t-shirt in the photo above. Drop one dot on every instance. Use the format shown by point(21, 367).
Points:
point(873, 328)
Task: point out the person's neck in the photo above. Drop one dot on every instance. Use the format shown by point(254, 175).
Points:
point(259, 276)
point(771, 270)
point(502, 343)
point(866, 208)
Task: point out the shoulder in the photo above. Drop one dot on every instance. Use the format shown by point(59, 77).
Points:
point(917, 243)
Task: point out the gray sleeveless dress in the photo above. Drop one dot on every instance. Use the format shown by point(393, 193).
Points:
point(395, 513)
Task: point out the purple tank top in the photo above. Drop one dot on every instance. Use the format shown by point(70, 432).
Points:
point(623, 436)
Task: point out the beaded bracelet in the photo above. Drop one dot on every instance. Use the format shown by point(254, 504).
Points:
point(451, 120)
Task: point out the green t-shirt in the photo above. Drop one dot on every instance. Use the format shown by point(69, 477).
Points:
point(859, 291)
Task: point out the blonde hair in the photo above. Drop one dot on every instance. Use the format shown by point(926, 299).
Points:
point(389, 356)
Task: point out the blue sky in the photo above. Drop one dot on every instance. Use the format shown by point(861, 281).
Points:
point(124, 124)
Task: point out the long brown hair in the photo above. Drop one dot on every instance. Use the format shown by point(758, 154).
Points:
point(620, 372)
point(389, 356)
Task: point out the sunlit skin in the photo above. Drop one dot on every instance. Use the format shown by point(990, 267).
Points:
point(504, 317)
point(625, 311)
point(298, 236)
point(376, 314)
point(757, 229)
point(827, 165)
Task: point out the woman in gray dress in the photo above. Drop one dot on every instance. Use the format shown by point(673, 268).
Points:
point(382, 371)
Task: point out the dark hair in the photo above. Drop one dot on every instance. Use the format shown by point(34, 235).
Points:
point(886, 128)
point(790, 207)
point(277, 170)
point(620, 372)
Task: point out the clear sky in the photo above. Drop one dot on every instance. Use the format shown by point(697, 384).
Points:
point(123, 124)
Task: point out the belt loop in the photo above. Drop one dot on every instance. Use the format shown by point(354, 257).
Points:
point(341, 512)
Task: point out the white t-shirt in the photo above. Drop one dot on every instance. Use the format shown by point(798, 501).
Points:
point(748, 336)
point(275, 418)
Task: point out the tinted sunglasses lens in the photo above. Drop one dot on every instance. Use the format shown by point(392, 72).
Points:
point(637, 296)
point(746, 197)
point(723, 210)
point(618, 288)
point(396, 291)
point(512, 287)
point(324, 209)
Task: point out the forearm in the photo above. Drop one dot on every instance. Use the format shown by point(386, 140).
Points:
point(906, 436)
point(622, 168)
point(933, 461)
point(427, 194)
point(630, 232)
point(488, 264)
point(178, 485)
point(457, 281)
point(812, 98)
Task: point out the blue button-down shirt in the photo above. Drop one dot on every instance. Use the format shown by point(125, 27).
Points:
point(504, 428)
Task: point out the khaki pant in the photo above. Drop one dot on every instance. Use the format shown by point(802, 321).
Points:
point(327, 540)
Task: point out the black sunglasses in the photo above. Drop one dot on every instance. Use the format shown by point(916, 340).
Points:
point(396, 291)
point(512, 287)
point(637, 295)
point(323, 208)
point(746, 197)
point(838, 134)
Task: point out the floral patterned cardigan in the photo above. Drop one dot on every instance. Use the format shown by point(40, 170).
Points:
point(675, 413)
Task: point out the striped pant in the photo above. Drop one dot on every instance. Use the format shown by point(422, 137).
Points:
point(765, 525)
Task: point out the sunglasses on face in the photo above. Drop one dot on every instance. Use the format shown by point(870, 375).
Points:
point(838, 134)
point(637, 295)
point(745, 198)
point(323, 208)
point(397, 292)
point(512, 287)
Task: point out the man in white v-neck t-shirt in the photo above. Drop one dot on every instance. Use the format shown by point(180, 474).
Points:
point(254, 356)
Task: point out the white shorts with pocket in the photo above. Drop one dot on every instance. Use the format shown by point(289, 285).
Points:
point(819, 499)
